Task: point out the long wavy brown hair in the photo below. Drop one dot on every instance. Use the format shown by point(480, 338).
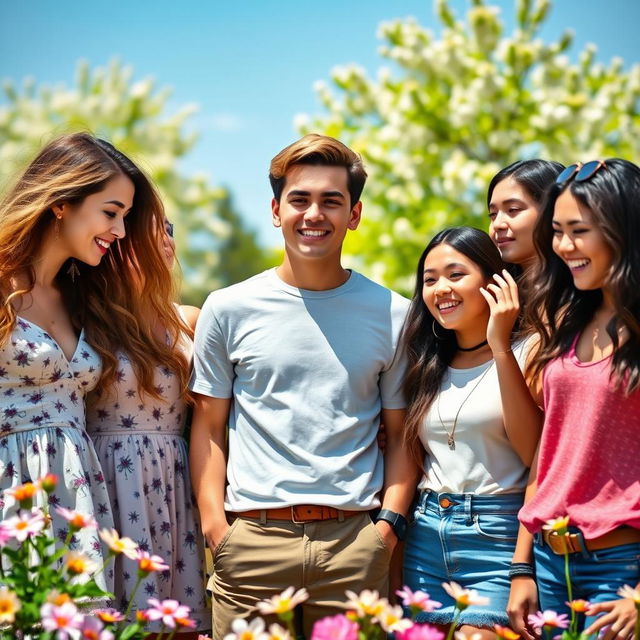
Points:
point(558, 311)
point(119, 303)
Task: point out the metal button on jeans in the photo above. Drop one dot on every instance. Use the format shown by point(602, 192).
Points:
point(445, 503)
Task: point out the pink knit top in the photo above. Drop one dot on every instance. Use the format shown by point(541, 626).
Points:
point(589, 461)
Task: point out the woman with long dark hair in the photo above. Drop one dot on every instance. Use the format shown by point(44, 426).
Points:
point(472, 424)
point(585, 308)
point(515, 199)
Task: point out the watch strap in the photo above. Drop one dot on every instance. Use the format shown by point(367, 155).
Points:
point(397, 521)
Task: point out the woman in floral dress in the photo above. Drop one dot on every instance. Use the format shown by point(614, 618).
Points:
point(75, 230)
point(138, 438)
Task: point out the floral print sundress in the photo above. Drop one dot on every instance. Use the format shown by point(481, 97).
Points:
point(144, 457)
point(42, 430)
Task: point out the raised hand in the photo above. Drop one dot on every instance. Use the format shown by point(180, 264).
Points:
point(504, 306)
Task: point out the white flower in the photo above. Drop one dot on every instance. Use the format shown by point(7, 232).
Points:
point(368, 603)
point(243, 630)
point(286, 601)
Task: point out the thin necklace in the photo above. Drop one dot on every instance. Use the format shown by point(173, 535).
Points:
point(475, 348)
point(451, 441)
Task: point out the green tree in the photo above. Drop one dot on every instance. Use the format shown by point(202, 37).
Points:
point(455, 108)
point(214, 247)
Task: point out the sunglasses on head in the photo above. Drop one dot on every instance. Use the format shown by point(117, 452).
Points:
point(580, 172)
point(168, 227)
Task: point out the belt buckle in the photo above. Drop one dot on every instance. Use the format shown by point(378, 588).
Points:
point(294, 517)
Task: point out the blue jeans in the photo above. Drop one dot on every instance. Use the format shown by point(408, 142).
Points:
point(470, 542)
point(595, 576)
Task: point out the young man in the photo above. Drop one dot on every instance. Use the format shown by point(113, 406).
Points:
point(301, 363)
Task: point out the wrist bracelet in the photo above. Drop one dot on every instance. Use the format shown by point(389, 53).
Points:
point(518, 569)
point(502, 353)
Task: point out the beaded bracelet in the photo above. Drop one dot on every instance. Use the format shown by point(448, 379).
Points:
point(518, 569)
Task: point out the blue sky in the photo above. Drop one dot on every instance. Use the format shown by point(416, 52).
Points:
point(250, 65)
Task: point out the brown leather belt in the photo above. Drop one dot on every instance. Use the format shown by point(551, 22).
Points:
point(571, 543)
point(299, 513)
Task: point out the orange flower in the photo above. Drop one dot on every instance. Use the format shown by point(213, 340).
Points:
point(579, 606)
point(141, 616)
point(24, 494)
point(49, 482)
point(78, 563)
point(58, 598)
point(109, 615)
point(9, 605)
point(185, 622)
point(505, 633)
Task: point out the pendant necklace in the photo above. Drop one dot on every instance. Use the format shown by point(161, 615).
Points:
point(451, 441)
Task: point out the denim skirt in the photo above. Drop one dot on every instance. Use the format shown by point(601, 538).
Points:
point(467, 539)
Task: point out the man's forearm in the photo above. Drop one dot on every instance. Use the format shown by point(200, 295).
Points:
point(400, 470)
point(208, 463)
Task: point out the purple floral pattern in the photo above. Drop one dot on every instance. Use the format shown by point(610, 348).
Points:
point(42, 430)
point(139, 442)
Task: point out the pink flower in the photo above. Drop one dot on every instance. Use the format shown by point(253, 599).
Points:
point(169, 611)
point(335, 628)
point(26, 523)
point(5, 534)
point(420, 632)
point(549, 619)
point(148, 563)
point(417, 601)
point(77, 520)
point(65, 619)
point(93, 629)
point(464, 597)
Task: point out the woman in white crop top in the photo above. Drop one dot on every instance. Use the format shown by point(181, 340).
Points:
point(471, 422)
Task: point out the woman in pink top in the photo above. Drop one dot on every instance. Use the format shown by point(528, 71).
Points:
point(585, 306)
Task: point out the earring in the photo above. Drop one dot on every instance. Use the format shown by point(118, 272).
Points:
point(56, 227)
point(73, 270)
point(433, 328)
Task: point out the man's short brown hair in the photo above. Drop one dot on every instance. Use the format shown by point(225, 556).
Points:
point(315, 149)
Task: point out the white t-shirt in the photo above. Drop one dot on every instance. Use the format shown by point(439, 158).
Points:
point(483, 462)
point(308, 372)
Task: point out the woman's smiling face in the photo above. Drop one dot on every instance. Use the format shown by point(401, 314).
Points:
point(88, 229)
point(451, 288)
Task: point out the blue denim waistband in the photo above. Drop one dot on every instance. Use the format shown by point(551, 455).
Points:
point(468, 503)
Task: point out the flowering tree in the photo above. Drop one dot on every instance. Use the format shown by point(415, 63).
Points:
point(209, 233)
point(455, 108)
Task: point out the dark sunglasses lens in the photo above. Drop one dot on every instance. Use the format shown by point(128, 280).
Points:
point(168, 227)
point(566, 174)
point(587, 170)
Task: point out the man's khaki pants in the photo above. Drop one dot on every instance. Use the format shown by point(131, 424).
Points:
point(258, 559)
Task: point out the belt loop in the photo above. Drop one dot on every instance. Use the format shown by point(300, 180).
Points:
point(340, 515)
point(467, 508)
point(422, 500)
point(263, 516)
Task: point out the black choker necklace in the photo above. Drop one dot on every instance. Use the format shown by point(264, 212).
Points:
point(478, 346)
